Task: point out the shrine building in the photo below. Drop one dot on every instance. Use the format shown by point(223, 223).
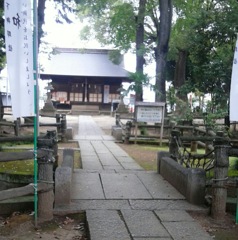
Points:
point(84, 78)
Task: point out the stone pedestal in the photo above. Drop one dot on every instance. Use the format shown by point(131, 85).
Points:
point(48, 109)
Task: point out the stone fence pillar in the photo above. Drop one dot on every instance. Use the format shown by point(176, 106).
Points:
point(219, 191)
point(47, 143)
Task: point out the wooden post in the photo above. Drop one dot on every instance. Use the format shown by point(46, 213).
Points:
point(219, 191)
point(173, 143)
point(127, 132)
point(208, 143)
point(17, 126)
point(194, 144)
point(63, 128)
point(58, 117)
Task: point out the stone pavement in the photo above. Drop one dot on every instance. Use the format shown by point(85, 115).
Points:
point(121, 200)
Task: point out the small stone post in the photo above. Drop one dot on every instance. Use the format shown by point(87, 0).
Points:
point(219, 191)
point(173, 146)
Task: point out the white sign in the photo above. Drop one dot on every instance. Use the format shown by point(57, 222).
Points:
point(149, 114)
point(234, 87)
point(106, 94)
point(19, 51)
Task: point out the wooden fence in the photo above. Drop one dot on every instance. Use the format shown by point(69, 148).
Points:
point(60, 125)
point(46, 156)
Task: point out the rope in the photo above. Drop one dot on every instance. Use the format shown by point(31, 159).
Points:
point(219, 179)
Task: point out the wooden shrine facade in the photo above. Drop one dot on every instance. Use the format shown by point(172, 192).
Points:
point(84, 77)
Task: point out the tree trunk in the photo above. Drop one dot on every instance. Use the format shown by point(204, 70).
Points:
point(140, 46)
point(180, 71)
point(41, 18)
point(161, 50)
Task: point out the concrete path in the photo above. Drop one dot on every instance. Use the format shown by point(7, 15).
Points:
point(121, 200)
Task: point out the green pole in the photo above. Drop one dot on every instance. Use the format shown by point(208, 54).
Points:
point(237, 206)
point(36, 110)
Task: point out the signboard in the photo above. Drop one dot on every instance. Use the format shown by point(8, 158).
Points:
point(152, 112)
point(19, 51)
point(234, 87)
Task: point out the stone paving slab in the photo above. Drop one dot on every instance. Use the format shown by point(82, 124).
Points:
point(158, 187)
point(163, 238)
point(106, 225)
point(131, 166)
point(101, 204)
point(115, 149)
point(87, 186)
point(94, 171)
point(165, 204)
point(108, 159)
point(174, 216)
point(99, 147)
point(91, 162)
point(121, 200)
point(125, 159)
point(186, 230)
point(108, 138)
point(113, 167)
point(144, 224)
point(123, 186)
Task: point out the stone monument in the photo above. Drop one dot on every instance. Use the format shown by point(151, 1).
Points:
point(48, 109)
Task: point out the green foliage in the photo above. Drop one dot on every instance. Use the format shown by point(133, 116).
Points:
point(171, 98)
point(110, 22)
point(139, 80)
point(207, 30)
point(115, 56)
point(234, 164)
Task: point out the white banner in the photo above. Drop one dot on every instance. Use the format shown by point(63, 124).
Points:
point(234, 88)
point(19, 51)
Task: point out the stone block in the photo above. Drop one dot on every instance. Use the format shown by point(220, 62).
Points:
point(188, 181)
point(160, 155)
point(69, 133)
point(68, 158)
point(117, 133)
point(63, 179)
point(196, 186)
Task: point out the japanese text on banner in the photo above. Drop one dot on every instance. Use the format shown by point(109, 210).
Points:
point(19, 49)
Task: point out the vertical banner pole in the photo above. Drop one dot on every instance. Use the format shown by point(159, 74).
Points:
point(36, 106)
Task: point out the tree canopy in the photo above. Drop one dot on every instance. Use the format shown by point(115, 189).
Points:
point(206, 32)
point(200, 46)
point(142, 25)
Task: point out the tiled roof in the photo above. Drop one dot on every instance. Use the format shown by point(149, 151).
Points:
point(83, 62)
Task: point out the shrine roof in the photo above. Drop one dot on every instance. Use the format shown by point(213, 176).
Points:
point(83, 62)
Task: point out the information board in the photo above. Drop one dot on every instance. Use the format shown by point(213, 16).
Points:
point(149, 112)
